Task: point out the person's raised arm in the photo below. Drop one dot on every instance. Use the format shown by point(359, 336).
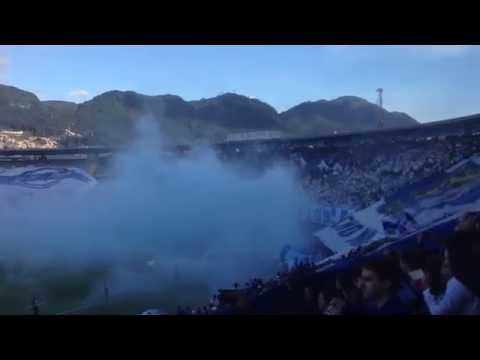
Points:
point(453, 301)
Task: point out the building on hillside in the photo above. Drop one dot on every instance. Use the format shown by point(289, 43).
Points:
point(11, 132)
point(256, 135)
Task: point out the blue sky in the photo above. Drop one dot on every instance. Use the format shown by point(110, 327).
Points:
point(428, 82)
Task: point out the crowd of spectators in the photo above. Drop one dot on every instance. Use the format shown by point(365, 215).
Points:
point(442, 280)
point(416, 281)
point(358, 177)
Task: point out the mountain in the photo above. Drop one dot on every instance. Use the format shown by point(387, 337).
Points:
point(237, 112)
point(22, 110)
point(61, 109)
point(345, 114)
point(110, 118)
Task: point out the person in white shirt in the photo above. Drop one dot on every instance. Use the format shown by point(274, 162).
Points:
point(450, 299)
point(457, 300)
point(464, 252)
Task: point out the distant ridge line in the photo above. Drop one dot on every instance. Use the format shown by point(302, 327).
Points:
point(454, 122)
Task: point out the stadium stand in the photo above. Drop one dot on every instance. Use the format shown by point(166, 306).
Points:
point(432, 269)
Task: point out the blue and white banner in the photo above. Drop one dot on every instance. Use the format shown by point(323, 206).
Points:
point(455, 191)
point(395, 227)
point(356, 229)
point(323, 216)
point(22, 184)
point(43, 177)
point(434, 204)
point(426, 204)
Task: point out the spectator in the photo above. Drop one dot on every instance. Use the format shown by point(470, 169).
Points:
point(456, 300)
point(336, 306)
point(357, 279)
point(412, 281)
point(436, 283)
point(411, 263)
point(446, 269)
point(379, 285)
point(461, 294)
point(350, 293)
point(308, 305)
point(324, 297)
point(464, 252)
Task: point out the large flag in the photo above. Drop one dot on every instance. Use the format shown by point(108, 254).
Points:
point(429, 204)
point(323, 216)
point(426, 204)
point(356, 229)
point(43, 177)
point(440, 196)
point(25, 183)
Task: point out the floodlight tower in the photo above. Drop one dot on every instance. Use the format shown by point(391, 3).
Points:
point(380, 103)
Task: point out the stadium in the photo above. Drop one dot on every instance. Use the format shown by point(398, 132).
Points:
point(239, 179)
point(390, 194)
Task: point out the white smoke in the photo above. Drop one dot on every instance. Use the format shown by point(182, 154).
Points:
point(161, 220)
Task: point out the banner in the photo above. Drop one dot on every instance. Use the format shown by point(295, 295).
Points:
point(323, 216)
point(42, 177)
point(356, 229)
point(455, 191)
point(22, 184)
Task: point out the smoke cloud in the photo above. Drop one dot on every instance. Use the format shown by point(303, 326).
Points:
point(161, 225)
